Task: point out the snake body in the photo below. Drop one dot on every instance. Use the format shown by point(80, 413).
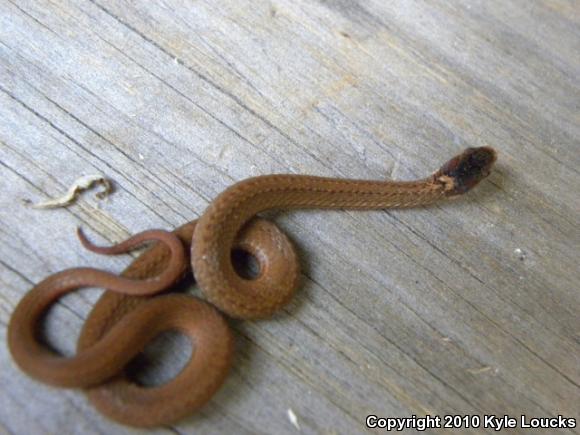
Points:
point(128, 316)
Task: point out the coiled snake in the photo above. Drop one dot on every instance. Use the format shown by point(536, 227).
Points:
point(128, 316)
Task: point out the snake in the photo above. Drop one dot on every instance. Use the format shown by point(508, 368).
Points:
point(137, 305)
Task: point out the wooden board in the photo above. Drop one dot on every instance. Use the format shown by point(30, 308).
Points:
point(469, 307)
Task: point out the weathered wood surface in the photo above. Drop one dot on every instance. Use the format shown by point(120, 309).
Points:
point(462, 308)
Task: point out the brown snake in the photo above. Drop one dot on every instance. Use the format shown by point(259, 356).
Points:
point(127, 317)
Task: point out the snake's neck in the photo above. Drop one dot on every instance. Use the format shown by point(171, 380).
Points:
point(258, 194)
point(226, 215)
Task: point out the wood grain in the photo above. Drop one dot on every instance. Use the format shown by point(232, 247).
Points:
point(468, 307)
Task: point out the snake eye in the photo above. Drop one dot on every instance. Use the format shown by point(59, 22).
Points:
point(468, 168)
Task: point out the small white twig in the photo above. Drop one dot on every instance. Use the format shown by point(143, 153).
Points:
point(293, 419)
point(79, 185)
point(480, 370)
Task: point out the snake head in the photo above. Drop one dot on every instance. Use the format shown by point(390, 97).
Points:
point(463, 172)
